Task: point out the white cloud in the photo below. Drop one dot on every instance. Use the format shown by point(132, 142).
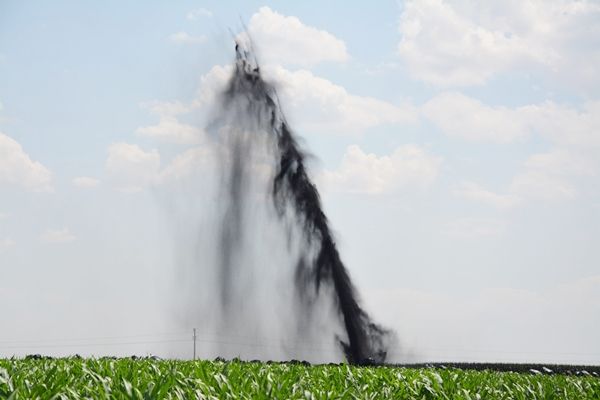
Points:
point(562, 124)
point(442, 47)
point(458, 43)
point(7, 243)
point(286, 40)
point(473, 192)
point(553, 175)
point(169, 128)
point(362, 172)
point(562, 162)
point(458, 115)
point(17, 168)
point(186, 38)
point(198, 159)
point(211, 84)
point(85, 182)
point(539, 185)
point(462, 116)
point(575, 134)
point(3, 215)
point(130, 168)
point(320, 105)
point(199, 13)
point(547, 176)
point(57, 236)
point(311, 103)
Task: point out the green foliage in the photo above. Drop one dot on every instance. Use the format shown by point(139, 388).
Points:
point(76, 378)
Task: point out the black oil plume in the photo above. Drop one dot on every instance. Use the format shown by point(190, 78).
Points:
point(295, 201)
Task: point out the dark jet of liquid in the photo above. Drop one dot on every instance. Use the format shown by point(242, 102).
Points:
point(318, 264)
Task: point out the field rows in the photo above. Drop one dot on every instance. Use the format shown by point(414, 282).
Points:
point(75, 378)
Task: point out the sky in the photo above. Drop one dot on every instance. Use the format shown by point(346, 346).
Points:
point(456, 145)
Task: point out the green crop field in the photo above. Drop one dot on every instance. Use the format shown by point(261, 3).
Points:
point(75, 378)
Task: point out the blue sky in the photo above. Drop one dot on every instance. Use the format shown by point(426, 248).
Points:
point(456, 146)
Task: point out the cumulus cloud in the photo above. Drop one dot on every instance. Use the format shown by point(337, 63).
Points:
point(320, 105)
point(130, 168)
point(574, 133)
point(361, 172)
point(562, 124)
point(199, 13)
point(211, 84)
point(550, 176)
point(462, 116)
point(186, 38)
point(286, 40)
point(459, 115)
point(562, 162)
point(315, 103)
point(442, 47)
point(169, 128)
point(311, 103)
point(56, 236)
point(459, 43)
point(197, 159)
point(85, 182)
point(539, 185)
point(17, 168)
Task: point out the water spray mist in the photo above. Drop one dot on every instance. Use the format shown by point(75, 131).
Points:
point(295, 201)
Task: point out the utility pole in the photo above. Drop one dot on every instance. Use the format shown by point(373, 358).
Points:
point(194, 337)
